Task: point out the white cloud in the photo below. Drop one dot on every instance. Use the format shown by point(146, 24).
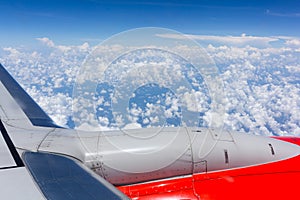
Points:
point(132, 126)
point(46, 41)
point(64, 48)
point(84, 47)
point(293, 42)
point(88, 127)
point(241, 40)
point(261, 84)
point(11, 50)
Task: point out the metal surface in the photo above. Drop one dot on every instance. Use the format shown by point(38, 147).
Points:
point(62, 178)
point(138, 155)
point(17, 183)
point(5, 155)
point(268, 181)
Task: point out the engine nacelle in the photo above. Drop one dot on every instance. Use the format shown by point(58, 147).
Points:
point(148, 154)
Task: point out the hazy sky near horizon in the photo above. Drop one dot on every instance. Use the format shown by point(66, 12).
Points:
point(71, 22)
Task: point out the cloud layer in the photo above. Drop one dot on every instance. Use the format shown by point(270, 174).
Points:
point(261, 81)
point(238, 41)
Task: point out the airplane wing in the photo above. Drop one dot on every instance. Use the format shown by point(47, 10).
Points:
point(27, 173)
point(25, 103)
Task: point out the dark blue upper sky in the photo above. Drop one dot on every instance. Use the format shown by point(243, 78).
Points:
point(76, 21)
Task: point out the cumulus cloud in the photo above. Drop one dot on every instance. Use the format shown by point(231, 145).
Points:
point(48, 76)
point(132, 126)
point(261, 84)
point(293, 42)
point(64, 48)
point(46, 41)
point(11, 50)
point(256, 87)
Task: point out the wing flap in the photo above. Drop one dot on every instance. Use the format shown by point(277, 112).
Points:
point(60, 177)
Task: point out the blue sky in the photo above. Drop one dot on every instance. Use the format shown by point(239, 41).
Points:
point(255, 45)
point(76, 21)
